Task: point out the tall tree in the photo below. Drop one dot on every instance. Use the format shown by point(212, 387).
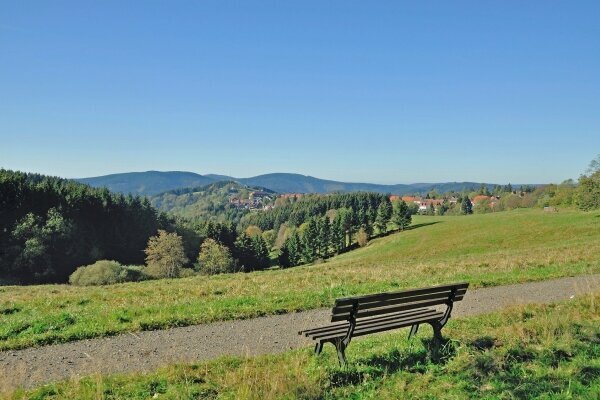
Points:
point(384, 213)
point(215, 258)
point(261, 252)
point(401, 216)
point(324, 236)
point(310, 241)
point(243, 252)
point(290, 252)
point(338, 234)
point(587, 195)
point(466, 207)
point(165, 255)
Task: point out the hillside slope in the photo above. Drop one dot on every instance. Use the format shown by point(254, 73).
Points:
point(485, 250)
point(206, 202)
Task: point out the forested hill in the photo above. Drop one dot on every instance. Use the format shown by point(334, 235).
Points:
point(49, 226)
point(210, 202)
point(147, 183)
point(154, 182)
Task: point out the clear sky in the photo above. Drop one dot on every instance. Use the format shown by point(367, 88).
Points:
point(378, 91)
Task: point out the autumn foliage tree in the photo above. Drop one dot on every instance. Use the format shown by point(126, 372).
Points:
point(165, 255)
point(215, 258)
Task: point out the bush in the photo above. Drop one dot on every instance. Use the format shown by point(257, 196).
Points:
point(103, 272)
point(186, 273)
point(134, 273)
point(587, 196)
point(362, 237)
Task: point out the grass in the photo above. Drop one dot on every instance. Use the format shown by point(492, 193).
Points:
point(544, 352)
point(486, 250)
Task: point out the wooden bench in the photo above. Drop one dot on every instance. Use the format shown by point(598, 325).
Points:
point(363, 315)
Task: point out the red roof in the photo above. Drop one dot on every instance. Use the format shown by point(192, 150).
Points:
point(432, 201)
point(480, 197)
point(411, 199)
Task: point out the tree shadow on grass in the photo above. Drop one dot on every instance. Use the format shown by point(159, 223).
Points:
point(408, 360)
point(355, 246)
point(410, 228)
point(416, 226)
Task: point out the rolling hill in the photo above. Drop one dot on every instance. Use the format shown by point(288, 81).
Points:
point(209, 202)
point(483, 249)
point(147, 183)
point(154, 182)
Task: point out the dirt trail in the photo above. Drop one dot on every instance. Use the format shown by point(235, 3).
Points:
point(143, 351)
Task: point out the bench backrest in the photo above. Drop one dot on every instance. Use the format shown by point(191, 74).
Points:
point(385, 303)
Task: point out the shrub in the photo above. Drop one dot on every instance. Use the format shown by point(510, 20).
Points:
point(103, 272)
point(165, 255)
point(133, 273)
point(362, 237)
point(587, 196)
point(214, 258)
point(186, 272)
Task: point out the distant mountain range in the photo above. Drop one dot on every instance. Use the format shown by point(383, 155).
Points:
point(154, 182)
point(149, 182)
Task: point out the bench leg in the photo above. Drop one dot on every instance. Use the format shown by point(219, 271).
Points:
point(437, 340)
point(341, 351)
point(413, 331)
point(318, 348)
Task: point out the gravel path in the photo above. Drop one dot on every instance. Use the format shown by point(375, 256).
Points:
point(143, 351)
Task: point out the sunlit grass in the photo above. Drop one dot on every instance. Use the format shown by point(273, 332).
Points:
point(492, 249)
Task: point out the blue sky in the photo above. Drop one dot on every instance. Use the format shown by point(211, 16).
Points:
point(386, 92)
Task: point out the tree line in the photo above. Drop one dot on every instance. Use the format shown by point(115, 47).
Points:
point(50, 226)
point(339, 229)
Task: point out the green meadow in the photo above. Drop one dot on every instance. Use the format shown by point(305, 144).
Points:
point(486, 250)
point(546, 352)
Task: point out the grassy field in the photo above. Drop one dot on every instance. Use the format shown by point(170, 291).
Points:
point(548, 352)
point(490, 249)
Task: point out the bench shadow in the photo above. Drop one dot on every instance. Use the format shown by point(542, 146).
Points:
point(409, 360)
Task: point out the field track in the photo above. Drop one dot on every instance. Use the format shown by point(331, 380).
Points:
point(144, 351)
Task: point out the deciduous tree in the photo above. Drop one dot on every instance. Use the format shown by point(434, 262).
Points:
point(165, 255)
point(215, 258)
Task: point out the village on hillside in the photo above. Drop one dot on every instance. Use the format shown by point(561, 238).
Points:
point(259, 200)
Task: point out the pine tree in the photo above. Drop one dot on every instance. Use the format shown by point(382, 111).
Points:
point(384, 212)
point(401, 215)
point(347, 216)
point(338, 234)
point(261, 253)
point(290, 252)
point(324, 236)
point(371, 216)
point(310, 241)
point(466, 206)
point(244, 252)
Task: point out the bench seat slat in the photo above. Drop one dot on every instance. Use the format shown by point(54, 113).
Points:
point(383, 322)
point(390, 316)
point(383, 327)
point(402, 293)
